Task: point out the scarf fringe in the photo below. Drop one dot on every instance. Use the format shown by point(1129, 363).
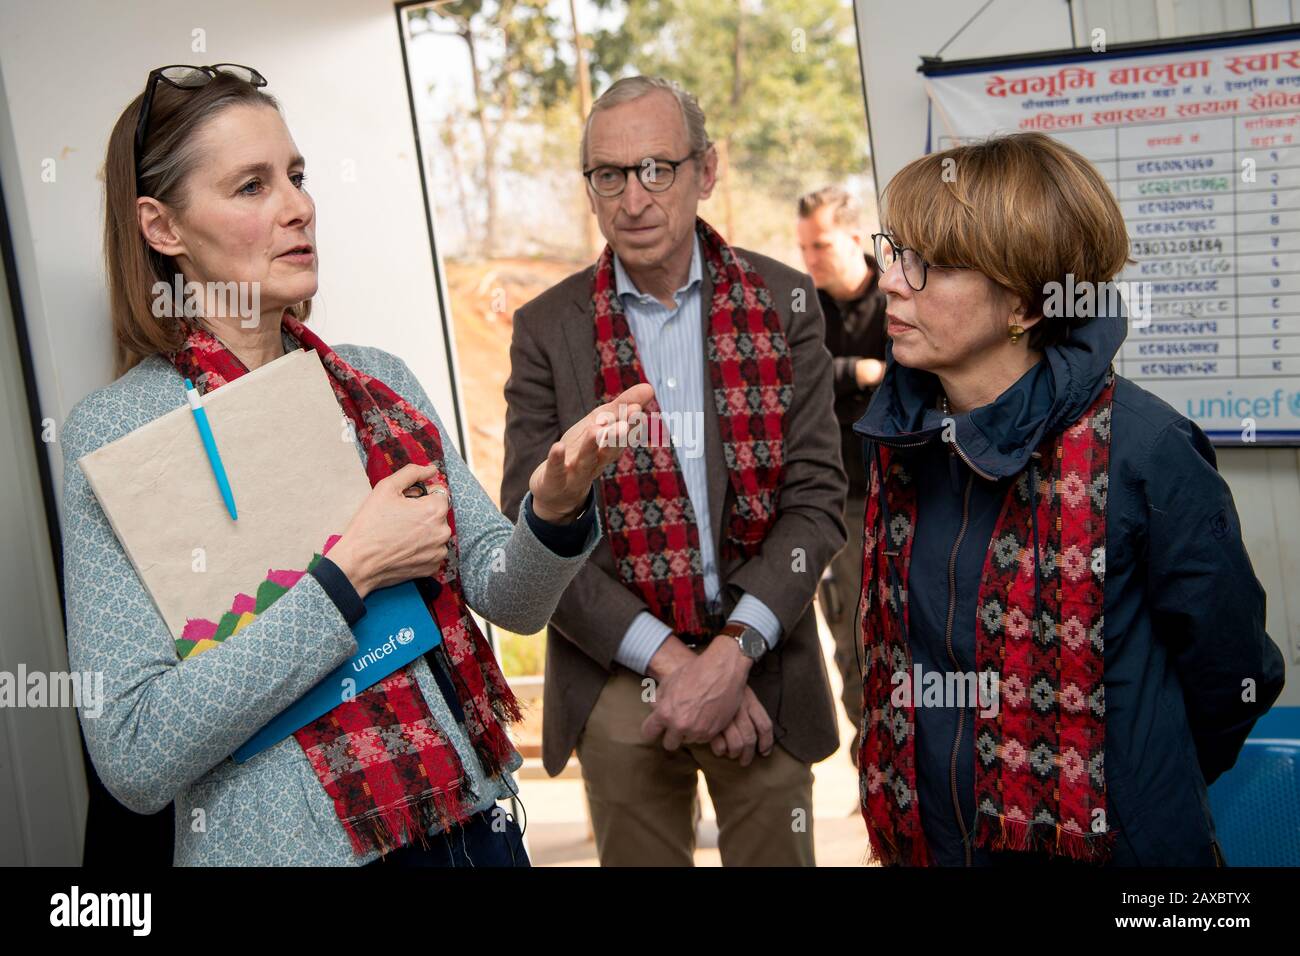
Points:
point(997, 832)
point(408, 821)
point(506, 706)
point(494, 750)
point(492, 744)
point(888, 853)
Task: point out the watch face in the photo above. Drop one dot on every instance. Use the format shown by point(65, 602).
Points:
point(752, 643)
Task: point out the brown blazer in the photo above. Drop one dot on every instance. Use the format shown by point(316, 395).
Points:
point(552, 384)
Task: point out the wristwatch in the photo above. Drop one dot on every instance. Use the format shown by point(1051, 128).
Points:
point(752, 644)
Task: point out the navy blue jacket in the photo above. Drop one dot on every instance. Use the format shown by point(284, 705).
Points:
point(1184, 612)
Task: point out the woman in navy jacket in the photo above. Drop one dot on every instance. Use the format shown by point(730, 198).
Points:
point(1081, 644)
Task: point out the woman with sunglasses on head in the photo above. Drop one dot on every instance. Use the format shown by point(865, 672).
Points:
point(1063, 637)
point(203, 181)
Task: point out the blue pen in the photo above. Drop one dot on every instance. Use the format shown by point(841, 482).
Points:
point(210, 446)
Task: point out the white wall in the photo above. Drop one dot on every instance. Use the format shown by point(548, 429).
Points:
point(1265, 482)
point(42, 779)
point(67, 69)
point(894, 36)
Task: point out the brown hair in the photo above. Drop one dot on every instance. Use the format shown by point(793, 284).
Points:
point(1024, 209)
point(847, 210)
point(132, 265)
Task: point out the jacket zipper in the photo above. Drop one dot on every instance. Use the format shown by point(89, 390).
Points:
point(894, 443)
point(969, 464)
point(952, 610)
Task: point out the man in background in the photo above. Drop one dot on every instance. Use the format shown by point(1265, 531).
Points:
point(834, 250)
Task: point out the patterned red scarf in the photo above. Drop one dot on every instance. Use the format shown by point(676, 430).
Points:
point(389, 768)
point(649, 518)
point(1039, 773)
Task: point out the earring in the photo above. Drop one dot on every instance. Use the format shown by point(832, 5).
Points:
point(1015, 331)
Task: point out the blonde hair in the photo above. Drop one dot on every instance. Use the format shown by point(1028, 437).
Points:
point(1024, 209)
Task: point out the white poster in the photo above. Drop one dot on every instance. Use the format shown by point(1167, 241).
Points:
point(1201, 146)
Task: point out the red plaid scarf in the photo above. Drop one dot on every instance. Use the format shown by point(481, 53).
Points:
point(1039, 774)
point(649, 518)
point(381, 757)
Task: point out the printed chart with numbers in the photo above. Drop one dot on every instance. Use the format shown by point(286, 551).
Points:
point(1201, 146)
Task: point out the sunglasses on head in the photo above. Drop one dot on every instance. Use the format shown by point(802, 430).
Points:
point(184, 77)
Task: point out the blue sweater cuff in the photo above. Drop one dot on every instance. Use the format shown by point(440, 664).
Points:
point(566, 540)
point(340, 590)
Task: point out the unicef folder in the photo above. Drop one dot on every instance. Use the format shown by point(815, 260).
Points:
point(395, 630)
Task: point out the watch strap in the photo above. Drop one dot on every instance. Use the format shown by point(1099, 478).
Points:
point(736, 630)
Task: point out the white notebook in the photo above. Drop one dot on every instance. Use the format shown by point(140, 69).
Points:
point(294, 472)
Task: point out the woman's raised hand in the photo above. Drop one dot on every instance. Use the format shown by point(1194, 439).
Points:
point(560, 483)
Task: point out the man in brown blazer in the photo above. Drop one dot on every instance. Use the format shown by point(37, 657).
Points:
point(688, 642)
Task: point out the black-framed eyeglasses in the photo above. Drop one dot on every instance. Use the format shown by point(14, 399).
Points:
point(184, 77)
point(915, 268)
point(656, 175)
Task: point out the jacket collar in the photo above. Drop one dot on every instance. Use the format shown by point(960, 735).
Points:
point(997, 439)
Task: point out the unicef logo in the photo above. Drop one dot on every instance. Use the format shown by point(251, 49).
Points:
point(405, 636)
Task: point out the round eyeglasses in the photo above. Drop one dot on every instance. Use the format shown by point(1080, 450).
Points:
point(915, 268)
point(656, 175)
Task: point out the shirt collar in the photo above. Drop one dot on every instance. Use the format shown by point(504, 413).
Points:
point(624, 285)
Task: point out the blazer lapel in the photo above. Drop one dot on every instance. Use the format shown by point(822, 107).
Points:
point(716, 466)
point(580, 337)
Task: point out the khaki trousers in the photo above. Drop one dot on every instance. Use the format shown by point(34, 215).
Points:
point(643, 797)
